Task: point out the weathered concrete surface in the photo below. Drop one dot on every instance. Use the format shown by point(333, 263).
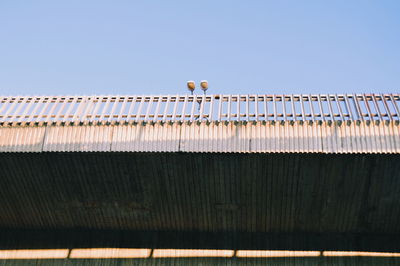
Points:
point(281, 201)
point(201, 192)
point(244, 137)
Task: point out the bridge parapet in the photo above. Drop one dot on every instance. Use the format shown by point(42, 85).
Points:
point(362, 123)
point(78, 110)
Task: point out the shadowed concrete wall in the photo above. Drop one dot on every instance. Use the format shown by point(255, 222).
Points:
point(313, 193)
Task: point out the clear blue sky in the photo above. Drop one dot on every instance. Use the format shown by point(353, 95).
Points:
point(154, 47)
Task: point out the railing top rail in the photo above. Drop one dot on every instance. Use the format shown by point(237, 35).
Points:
point(181, 108)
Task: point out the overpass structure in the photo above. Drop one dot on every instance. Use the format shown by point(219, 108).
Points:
point(213, 123)
point(201, 179)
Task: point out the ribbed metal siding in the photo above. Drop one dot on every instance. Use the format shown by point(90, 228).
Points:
point(261, 137)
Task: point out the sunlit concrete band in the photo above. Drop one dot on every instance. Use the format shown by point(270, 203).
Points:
point(258, 137)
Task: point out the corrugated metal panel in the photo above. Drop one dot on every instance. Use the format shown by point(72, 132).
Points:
point(255, 137)
point(21, 139)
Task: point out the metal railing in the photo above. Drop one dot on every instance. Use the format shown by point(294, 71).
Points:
point(59, 110)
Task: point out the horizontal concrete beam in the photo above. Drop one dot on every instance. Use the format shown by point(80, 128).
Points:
point(254, 137)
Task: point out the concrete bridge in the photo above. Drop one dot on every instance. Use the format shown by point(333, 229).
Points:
point(256, 179)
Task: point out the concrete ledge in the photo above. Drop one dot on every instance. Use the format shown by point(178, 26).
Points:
point(326, 137)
